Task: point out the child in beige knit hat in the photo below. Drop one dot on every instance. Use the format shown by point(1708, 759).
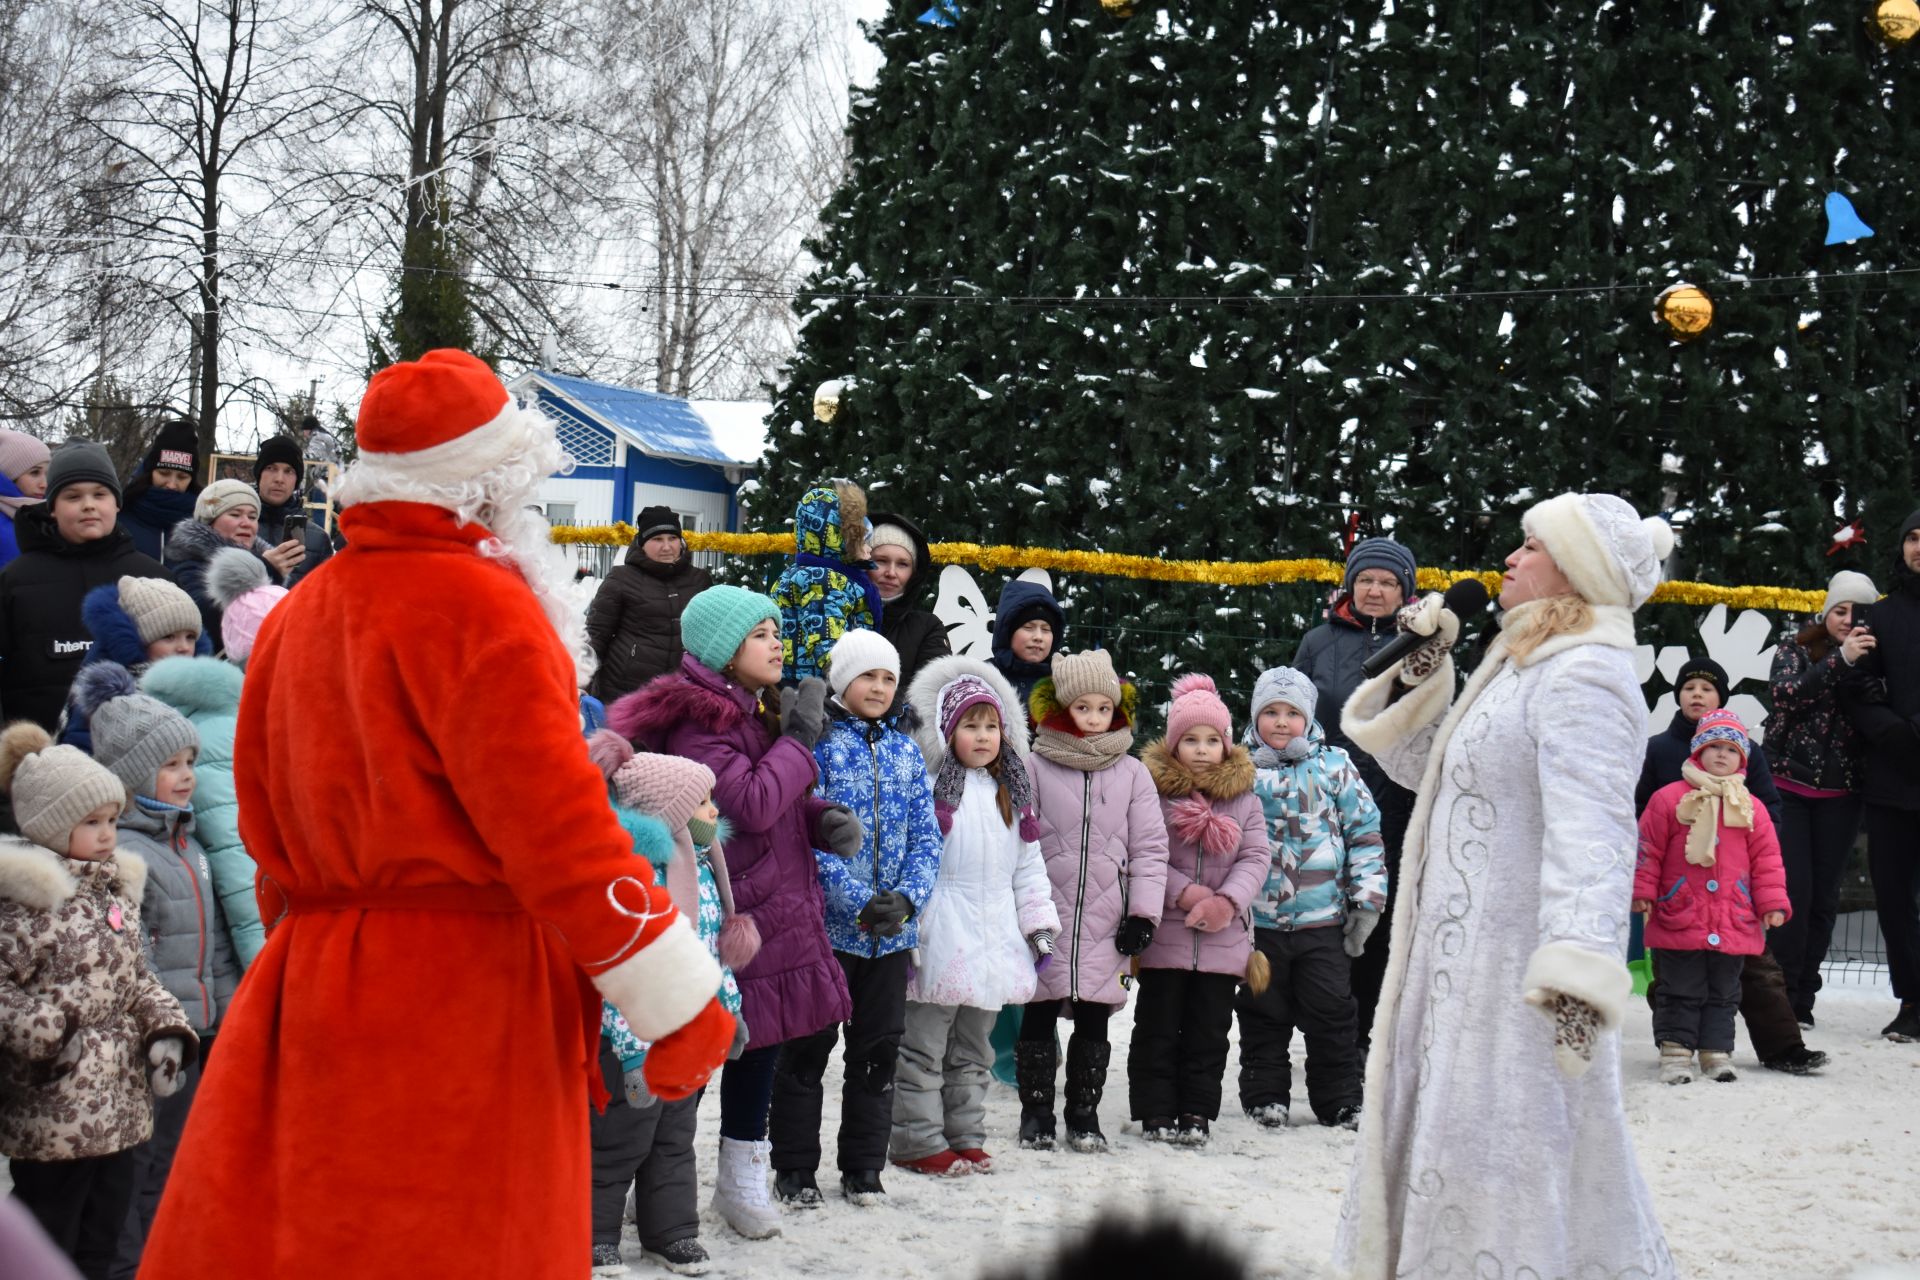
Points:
point(91, 1035)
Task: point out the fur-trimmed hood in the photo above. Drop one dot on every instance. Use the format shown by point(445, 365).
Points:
point(923, 696)
point(42, 880)
point(192, 540)
point(693, 693)
point(195, 686)
point(1229, 780)
point(115, 637)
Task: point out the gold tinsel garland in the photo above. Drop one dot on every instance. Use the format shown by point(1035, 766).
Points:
point(1220, 573)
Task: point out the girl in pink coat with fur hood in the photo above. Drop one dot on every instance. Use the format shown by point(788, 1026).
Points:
point(1711, 883)
point(1217, 859)
point(1106, 849)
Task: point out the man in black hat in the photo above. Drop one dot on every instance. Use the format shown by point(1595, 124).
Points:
point(278, 475)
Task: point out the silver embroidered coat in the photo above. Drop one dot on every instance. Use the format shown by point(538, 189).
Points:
point(1478, 1157)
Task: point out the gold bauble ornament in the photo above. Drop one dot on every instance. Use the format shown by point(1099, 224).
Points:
point(1686, 310)
point(1118, 8)
point(1895, 21)
point(826, 401)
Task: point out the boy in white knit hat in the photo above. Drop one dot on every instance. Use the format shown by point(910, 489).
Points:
point(873, 906)
point(90, 1035)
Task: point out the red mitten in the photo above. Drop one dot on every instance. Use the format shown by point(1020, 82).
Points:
point(678, 1064)
point(1192, 896)
point(1212, 915)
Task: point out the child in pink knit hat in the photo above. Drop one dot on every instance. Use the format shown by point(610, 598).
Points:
point(639, 1142)
point(1217, 861)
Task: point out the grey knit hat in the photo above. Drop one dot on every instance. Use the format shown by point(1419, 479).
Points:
point(1284, 684)
point(134, 733)
point(158, 608)
point(1381, 553)
point(81, 462)
point(53, 788)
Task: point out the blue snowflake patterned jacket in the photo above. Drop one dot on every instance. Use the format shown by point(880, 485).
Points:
point(1324, 830)
point(819, 602)
point(875, 770)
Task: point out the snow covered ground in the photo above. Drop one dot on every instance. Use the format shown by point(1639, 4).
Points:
point(1770, 1176)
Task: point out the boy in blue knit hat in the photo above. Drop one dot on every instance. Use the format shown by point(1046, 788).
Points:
point(1321, 901)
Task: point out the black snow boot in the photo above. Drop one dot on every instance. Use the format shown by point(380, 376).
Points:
point(1035, 1062)
point(1086, 1080)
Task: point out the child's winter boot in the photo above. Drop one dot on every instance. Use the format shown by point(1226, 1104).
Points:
point(1269, 1115)
point(740, 1189)
point(1086, 1080)
point(1676, 1063)
point(798, 1188)
point(1193, 1131)
point(1034, 1064)
point(1715, 1065)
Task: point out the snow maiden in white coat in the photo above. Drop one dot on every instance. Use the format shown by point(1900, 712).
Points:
point(1495, 1143)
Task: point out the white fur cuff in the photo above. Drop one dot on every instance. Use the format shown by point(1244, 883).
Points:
point(1600, 980)
point(660, 987)
point(1376, 727)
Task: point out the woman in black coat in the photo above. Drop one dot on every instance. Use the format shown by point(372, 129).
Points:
point(902, 564)
point(634, 621)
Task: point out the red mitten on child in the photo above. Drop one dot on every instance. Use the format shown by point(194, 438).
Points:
point(1213, 915)
point(1192, 896)
point(678, 1064)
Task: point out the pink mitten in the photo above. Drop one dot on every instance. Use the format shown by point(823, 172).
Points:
point(1192, 896)
point(1212, 915)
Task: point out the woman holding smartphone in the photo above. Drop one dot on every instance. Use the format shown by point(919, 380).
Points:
point(1814, 751)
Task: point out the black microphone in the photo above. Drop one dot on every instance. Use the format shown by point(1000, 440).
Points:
point(1466, 598)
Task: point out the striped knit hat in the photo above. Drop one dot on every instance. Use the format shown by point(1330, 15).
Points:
point(1719, 726)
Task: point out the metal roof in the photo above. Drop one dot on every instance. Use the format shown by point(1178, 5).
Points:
point(663, 426)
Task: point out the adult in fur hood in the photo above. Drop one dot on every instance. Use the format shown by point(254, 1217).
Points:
point(402, 1078)
point(1499, 1013)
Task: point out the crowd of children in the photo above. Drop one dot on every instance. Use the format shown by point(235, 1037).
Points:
point(904, 869)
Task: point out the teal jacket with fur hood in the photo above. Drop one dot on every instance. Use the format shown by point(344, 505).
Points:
point(1324, 830)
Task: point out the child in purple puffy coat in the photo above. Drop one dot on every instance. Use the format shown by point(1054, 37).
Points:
point(1216, 862)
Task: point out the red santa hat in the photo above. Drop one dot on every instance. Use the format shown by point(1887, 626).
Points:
point(441, 419)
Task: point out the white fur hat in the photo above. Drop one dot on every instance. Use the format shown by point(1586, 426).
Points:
point(1610, 555)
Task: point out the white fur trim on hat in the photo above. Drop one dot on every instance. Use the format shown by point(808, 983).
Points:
point(857, 652)
point(1609, 554)
point(450, 463)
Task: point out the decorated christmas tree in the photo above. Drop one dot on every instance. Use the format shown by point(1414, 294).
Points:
point(1238, 280)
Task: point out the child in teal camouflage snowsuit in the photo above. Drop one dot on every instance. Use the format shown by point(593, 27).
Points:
point(825, 592)
point(1322, 898)
point(639, 1142)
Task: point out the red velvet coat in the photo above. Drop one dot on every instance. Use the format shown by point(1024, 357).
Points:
point(404, 1092)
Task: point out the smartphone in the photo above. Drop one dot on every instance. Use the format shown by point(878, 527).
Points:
point(295, 526)
point(1862, 616)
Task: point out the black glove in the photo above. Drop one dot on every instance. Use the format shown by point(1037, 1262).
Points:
point(1136, 933)
point(886, 913)
point(803, 712)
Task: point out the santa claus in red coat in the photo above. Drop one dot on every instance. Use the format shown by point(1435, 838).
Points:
point(401, 1086)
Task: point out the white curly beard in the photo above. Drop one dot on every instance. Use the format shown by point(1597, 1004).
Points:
point(499, 500)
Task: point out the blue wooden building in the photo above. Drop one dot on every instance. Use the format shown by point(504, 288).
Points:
point(635, 449)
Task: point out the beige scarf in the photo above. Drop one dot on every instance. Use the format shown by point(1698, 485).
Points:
point(1711, 802)
point(1090, 754)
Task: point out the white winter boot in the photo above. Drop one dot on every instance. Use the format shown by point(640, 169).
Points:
point(1715, 1065)
point(740, 1189)
point(1676, 1063)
